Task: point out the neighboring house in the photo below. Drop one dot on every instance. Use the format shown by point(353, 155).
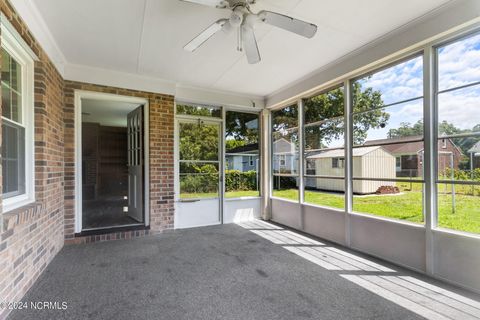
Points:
point(366, 164)
point(244, 158)
point(285, 159)
point(474, 154)
point(409, 155)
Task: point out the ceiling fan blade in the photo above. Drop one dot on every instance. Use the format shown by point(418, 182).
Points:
point(205, 35)
point(299, 27)
point(211, 3)
point(250, 45)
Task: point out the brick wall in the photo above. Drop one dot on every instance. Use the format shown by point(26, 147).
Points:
point(31, 236)
point(161, 116)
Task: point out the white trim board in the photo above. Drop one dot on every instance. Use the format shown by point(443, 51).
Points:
point(13, 43)
point(79, 95)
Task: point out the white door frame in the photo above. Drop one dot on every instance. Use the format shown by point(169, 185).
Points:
point(221, 121)
point(81, 94)
point(178, 201)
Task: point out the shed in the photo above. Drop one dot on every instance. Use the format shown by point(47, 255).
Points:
point(368, 162)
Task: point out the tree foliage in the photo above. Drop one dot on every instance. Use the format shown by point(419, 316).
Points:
point(324, 116)
point(406, 129)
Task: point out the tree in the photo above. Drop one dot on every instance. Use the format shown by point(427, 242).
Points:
point(406, 129)
point(446, 128)
point(240, 129)
point(324, 116)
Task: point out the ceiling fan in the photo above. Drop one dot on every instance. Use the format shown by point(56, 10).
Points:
point(243, 20)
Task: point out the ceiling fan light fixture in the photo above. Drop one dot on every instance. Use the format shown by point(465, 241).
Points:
point(244, 21)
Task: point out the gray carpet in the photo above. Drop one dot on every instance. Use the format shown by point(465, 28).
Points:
point(220, 272)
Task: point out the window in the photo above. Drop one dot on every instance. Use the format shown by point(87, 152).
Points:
point(388, 141)
point(338, 163)
point(458, 93)
point(324, 149)
point(17, 121)
point(242, 177)
point(285, 153)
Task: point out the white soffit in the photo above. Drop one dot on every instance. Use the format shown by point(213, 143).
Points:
point(144, 39)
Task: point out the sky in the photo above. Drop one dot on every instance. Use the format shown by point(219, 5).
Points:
point(458, 65)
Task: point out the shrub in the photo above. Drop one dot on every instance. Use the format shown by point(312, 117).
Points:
point(204, 179)
point(236, 180)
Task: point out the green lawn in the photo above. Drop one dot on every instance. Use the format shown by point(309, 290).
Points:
point(406, 206)
point(230, 194)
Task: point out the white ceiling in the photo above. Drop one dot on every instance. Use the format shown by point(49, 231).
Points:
point(145, 37)
point(106, 112)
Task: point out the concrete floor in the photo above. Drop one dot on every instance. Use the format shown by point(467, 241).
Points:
point(250, 271)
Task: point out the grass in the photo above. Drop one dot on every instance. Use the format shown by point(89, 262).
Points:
point(406, 206)
point(230, 194)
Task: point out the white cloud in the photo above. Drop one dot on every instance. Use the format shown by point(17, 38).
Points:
point(460, 107)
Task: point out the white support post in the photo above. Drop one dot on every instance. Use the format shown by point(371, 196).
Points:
point(265, 156)
point(348, 123)
point(301, 162)
point(431, 146)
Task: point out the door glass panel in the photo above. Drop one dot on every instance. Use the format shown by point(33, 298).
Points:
point(241, 155)
point(199, 141)
point(199, 160)
point(198, 180)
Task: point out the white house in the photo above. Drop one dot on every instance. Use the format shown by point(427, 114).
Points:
point(285, 157)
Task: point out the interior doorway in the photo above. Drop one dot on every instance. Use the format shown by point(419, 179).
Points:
point(111, 166)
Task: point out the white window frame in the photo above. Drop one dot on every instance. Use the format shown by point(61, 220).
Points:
point(13, 43)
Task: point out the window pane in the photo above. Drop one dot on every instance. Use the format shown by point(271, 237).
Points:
point(16, 107)
point(5, 67)
point(285, 187)
point(325, 192)
point(241, 157)
point(458, 63)
point(394, 84)
point(459, 207)
point(198, 180)
point(398, 200)
point(459, 158)
point(389, 161)
point(385, 125)
point(199, 141)
point(13, 159)
point(327, 134)
point(458, 111)
point(285, 141)
point(324, 106)
point(6, 102)
point(16, 76)
point(326, 163)
point(204, 111)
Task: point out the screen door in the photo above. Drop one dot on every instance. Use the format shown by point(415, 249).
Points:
point(199, 172)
